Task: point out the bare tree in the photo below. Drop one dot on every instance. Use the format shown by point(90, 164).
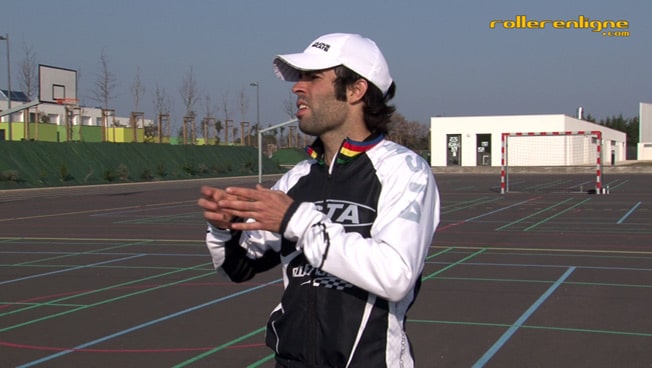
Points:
point(210, 111)
point(225, 105)
point(226, 108)
point(137, 90)
point(105, 83)
point(244, 104)
point(29, 72)
point(162, 101)
point(290, 105)
point(411, 134)
point(189, 91)
point(162, 107)
point(290, 108)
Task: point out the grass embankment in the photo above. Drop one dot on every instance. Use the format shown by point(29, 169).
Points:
point(28, 164)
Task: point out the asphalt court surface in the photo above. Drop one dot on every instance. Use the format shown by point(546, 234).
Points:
point(118, 276)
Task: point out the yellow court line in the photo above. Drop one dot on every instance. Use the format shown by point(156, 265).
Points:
point(90, 211)
point(550, 250)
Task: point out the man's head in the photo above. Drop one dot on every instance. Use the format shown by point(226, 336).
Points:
point(353, 57)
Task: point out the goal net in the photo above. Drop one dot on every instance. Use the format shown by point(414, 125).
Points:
point(551, 162)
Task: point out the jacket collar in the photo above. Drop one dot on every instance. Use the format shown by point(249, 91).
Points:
point(349, 149)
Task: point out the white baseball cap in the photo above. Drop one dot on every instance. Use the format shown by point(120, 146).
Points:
point(351, 50)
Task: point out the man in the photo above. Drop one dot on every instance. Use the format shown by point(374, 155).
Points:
point(351, 226)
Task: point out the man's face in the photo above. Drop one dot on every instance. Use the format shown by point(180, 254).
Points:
point(319, 112)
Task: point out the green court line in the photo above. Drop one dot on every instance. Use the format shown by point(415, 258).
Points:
point(261, 361)
point(219, 348)
point(109, 288)
point(139, 207)
point(556, 215)
point(489, 279)
point(73, 254)
point(600, 254)
point(113, 240)
point(107, 301)
point(505, 325)
point(39, 304)
point(472, 203)
point(553, 250)
point(578, 283)
point(593, 230)
point(271, 356)
point(586, 283)
point(618, 185)
point(208, 267)
point(443, 251)
point(434, 274)
point(535, 327)
point(553, 184)
point(156, 219)
point(534, 214)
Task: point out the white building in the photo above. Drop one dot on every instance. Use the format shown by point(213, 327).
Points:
point(644, 150)
point(477, 140)
point(56, 114)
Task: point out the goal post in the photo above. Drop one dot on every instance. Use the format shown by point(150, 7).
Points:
point(528, 161)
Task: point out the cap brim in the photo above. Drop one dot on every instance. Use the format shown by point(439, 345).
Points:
point(289, 67)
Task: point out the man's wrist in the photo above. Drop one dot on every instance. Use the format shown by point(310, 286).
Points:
point(288, 215)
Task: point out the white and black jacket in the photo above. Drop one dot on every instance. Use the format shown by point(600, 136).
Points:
point(352, 249)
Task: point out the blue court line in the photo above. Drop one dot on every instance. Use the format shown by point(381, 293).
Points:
point(70, 269)
point(146, 324)
point(629, 213)
point(519, 322)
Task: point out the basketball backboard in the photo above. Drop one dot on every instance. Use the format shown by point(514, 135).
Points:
point(56, 83)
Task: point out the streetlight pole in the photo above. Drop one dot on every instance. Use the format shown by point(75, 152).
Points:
point(257, 85)
point(6, 38)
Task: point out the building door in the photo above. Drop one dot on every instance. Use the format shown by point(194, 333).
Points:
point(454, 149)
point(483, 148)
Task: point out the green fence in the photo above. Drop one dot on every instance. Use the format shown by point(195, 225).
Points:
point(40, 164)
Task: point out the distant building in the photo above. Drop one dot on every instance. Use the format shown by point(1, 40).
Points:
point(477, 140)
point(644, 149)
point(54, 122)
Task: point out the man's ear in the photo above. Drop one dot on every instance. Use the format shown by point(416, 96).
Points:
point(356, 92)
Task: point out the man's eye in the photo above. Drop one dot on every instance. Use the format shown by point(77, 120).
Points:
point(307, 75)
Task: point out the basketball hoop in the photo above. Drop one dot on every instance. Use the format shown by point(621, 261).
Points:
point(67, 101)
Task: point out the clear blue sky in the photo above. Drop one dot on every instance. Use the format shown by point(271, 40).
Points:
point(442, 54)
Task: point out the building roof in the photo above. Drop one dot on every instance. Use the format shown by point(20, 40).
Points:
point(17, 96)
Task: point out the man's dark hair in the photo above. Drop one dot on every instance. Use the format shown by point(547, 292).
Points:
point(377, 111)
